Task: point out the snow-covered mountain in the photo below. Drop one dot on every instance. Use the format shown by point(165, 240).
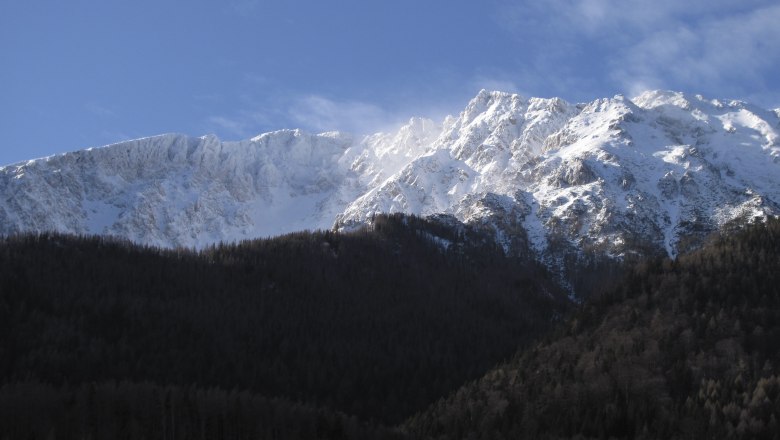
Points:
point(652, 174)
point(174, 190)
point(614, 175)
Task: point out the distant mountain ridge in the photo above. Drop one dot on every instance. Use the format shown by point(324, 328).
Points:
point(613, 176)
point(175, 190)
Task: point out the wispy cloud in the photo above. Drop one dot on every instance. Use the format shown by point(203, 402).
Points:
point(99, 110)
point(265, 105)
point(312, 112)
point(501, 81)
point(708, 53)
point(708, 45)
point(234, 127)
point(320, 113)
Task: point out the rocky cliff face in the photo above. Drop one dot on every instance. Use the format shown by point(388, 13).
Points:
point(614, 176)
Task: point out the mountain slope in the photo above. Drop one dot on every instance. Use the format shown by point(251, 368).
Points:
point(175, 190)
point(617, 177)
point(377, 323)
point(684, 348)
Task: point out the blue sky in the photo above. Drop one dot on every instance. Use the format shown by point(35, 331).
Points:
point(87, 73)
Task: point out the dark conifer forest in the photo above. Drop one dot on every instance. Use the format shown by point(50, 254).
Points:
point(309, 335)
point(412, 329)
point(680, 349)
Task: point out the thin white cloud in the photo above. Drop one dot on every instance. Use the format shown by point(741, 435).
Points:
point(604, 17)
point(716, 45)
point(501, 83)
point(314, 113)
point(99, 110)
point(323, 114)
point(231, 126)
point(710, 53)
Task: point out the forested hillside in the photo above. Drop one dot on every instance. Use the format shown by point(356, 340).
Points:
point(99, 337)
point(682, 349)
point(331, 336)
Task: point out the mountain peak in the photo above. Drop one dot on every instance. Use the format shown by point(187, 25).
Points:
point(651, 99)
point(615, 175)
point(492, 99)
